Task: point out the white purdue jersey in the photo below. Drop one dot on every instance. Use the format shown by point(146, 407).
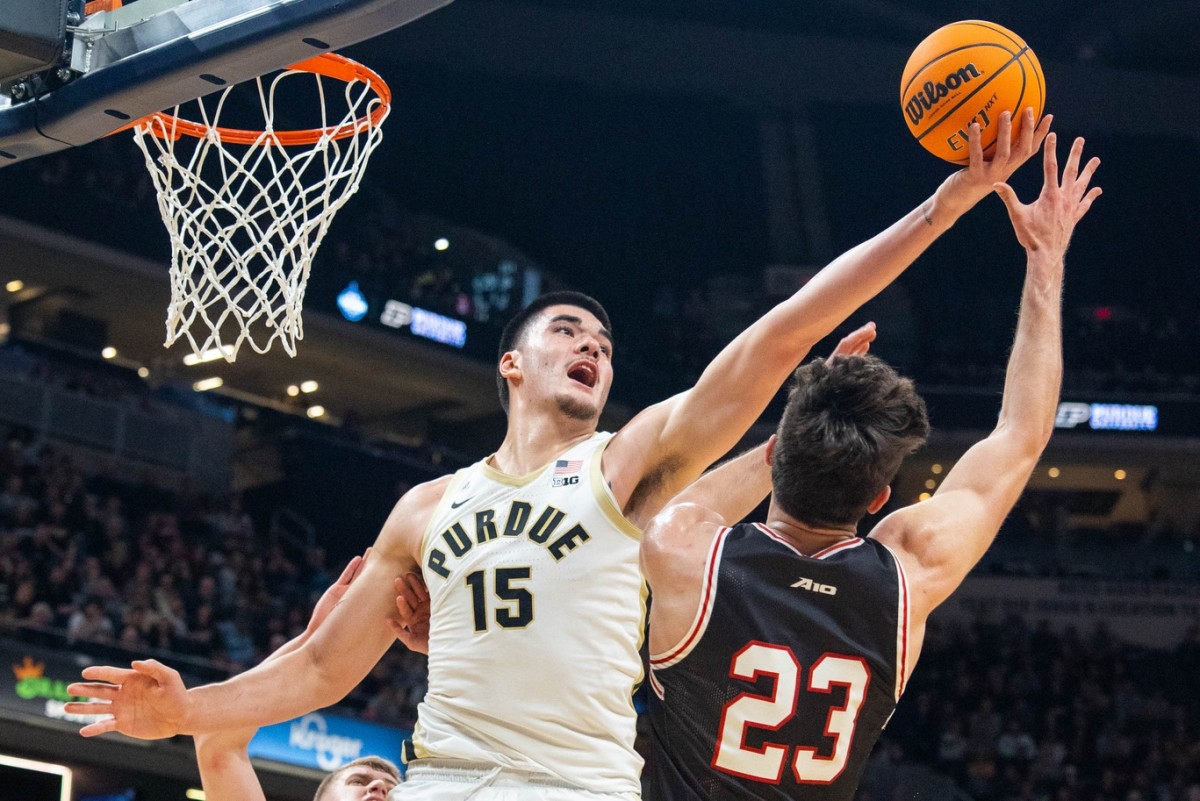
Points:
point(538, 608)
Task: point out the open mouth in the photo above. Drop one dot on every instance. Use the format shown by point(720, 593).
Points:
point(583, 372)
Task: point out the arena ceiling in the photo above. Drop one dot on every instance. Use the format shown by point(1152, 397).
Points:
point(1157, 36)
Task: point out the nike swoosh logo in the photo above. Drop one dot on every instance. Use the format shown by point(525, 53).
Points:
point(457, 504)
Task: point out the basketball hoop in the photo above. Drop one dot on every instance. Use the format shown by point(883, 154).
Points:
point(247, 209)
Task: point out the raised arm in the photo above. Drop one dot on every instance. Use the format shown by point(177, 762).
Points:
point(669, 445)
point(150, 702)
point(940, 540)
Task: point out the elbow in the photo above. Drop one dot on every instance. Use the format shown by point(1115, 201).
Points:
point(1028, 441)
point(324, 680)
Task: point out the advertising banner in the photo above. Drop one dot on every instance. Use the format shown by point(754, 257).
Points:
point(35, 680)
point(326, 742)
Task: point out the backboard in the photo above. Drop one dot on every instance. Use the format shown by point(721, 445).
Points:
point(117, 66)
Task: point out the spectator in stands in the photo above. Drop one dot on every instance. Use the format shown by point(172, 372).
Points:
point(90, 623)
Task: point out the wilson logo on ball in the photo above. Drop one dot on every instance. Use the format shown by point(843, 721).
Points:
point(964, 72)
point(928, 96)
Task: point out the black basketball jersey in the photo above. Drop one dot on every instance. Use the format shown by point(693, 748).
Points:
point(787, 676)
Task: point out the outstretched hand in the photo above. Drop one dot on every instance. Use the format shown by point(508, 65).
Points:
point(1047, 223)
point(973, 183)
point(148, 702)
point(411, 625)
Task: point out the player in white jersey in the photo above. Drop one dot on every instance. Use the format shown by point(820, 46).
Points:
point(534, 634)
point(509, 562)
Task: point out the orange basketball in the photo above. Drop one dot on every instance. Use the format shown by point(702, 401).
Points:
point(965, 72)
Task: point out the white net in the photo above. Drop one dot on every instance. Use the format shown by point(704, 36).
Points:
point(247, 210)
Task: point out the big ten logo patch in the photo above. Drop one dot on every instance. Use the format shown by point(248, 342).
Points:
point(566, 472)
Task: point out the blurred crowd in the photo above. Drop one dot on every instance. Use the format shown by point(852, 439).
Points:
point(1013, 711)
point(139, 570)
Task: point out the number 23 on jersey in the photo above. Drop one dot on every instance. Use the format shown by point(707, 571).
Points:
point(771, 712)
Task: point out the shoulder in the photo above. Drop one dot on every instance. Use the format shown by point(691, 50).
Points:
point(678, 539)
point(905, 529)
point(428, 493)
point(635, 449)
point(678, 521)
point(412, 512)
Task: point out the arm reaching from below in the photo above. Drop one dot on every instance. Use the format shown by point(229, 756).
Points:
point(225, 767)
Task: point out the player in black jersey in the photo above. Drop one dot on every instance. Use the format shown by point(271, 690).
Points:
point(779, 650)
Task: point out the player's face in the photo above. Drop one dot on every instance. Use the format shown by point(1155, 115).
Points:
point(567, 357)
point(361, 783)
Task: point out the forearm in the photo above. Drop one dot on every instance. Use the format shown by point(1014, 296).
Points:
point(862, 272)
point(1034, 376)
point(289, 646)
point(273, 692)
point(711, 417)
point(320, 673)
point(734, 488)
point(225, 769)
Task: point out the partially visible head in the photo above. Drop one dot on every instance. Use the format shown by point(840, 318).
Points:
point(847, 426)
point(365, 779)
point(554, 332)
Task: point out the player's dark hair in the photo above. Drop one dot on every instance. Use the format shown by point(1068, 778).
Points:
point(847, 426)
point(375, 763)
point(515, 329)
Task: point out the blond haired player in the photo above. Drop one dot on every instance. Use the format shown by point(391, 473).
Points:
point(531, 555)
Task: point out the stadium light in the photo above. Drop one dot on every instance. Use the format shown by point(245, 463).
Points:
point(293, 390)
point(1119, 475)
point(1054, 472)
point(315, 411)
point(442, 243)
point(210, 355)
point(16, 285)
point(205, 384)
point(109, 353)
point(143, 372)
point(936, 470)
point(309, 386)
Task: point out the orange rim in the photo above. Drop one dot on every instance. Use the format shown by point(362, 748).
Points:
point(96, 6)
point(331, 65)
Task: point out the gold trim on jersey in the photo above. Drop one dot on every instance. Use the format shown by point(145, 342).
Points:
point(641, 677)
point(604, 497)
point(496, 474)
point(418, 743)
